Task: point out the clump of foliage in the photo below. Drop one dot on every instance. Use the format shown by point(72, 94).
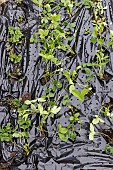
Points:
point(55, 35)
point(15, 58)
point(69, 132)
point(15, 38)
point(15, 35)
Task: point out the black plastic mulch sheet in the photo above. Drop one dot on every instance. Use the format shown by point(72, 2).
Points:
point(49, 153)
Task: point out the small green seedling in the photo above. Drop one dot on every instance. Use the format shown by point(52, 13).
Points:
point(87, 3)
point(68, 132)
point(79, 95)
point(108, 148)
point(15, 35)
point(95, 121)
point(15, 58)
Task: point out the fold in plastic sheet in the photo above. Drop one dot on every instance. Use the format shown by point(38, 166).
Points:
point(49, 153)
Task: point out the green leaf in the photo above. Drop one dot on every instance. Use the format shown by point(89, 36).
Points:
point(26, 116)
point(33, 108)
point(95, 32)
point(16, 102)
point(102, 121)
point(87, 3)
point(71, 118)
point(71, 88)
point(63, 137)
point(87, 71)
point(51, 103)
point(60, 34)
point(86, 32)
point(65, 100)
point(55, 17)
point(15, 58)
point(59, 85)
point(41, 100)
point(100, 41)
point(76, 115)
point(67, 75)
point(40, 107)
point(72, 136)
point(111, 150)
point(93, 40)
point(55, 109)
point(43, 33)
point(76, 93)
point(54, 88)
point(51, 95)
point(91, 135)
point(85, 91)
point(27, 102)
point(111, 31)
point(61, 129)
point(34, 101)
point(25, 134)
point(47, 56)
point(6, 137)
point(70, 25)
point(48, 7)
point(31, 40)
point(17, 135)
point(15, 35)
point(91, 127)
point(38, 2)
point(95, 121)
point(45, 112)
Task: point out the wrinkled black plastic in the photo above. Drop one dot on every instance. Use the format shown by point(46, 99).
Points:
point(49, 153)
